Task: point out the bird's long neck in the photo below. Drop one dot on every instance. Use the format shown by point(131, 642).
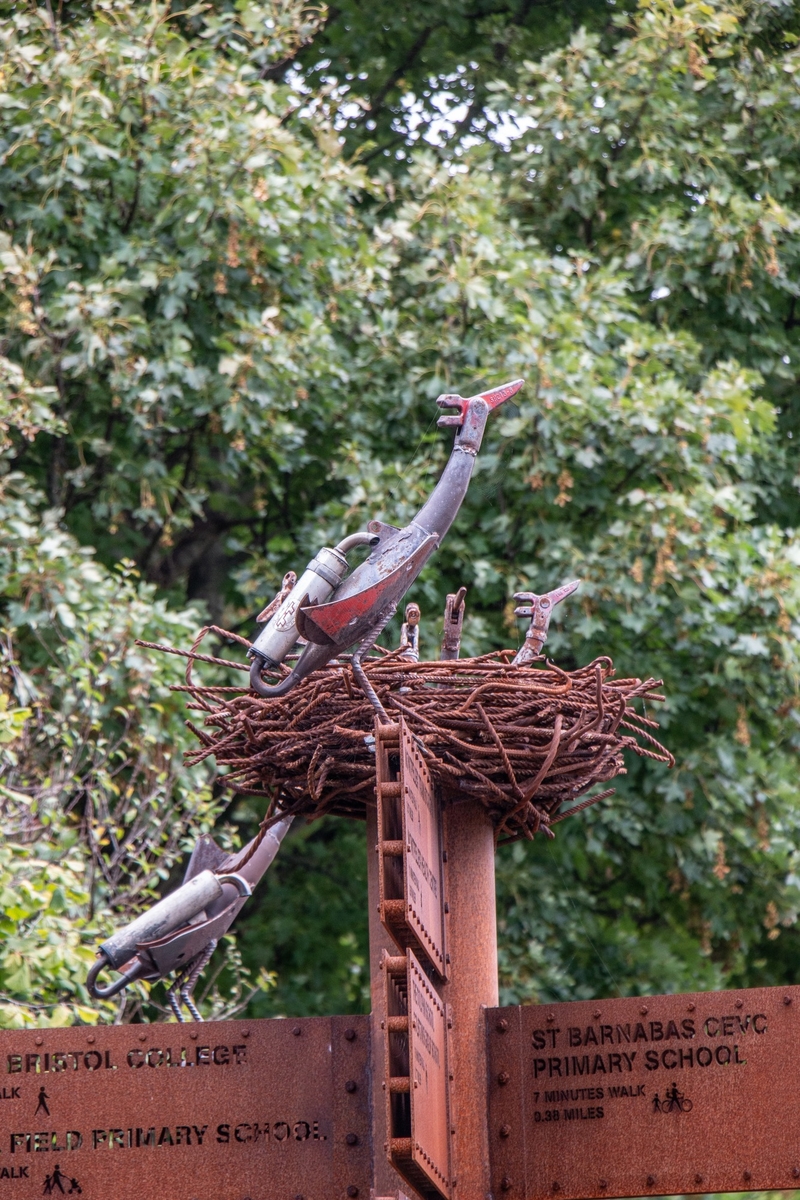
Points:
point(441, 508)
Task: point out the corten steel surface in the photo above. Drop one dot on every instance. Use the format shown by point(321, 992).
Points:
point(422, 862)
point(472, 945)
point(409, 847)
point(416, 1076)
point(658, 1095)
point(430, 1122)
point(228, 1110)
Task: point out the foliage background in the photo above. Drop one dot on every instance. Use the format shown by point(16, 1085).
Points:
point(243, 247)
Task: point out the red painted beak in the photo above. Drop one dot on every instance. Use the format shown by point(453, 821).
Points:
point(496, 396)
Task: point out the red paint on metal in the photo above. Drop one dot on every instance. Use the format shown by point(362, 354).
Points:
point(496, 396)
point(218, 1111)
point(337, 618)
point(660, 1095)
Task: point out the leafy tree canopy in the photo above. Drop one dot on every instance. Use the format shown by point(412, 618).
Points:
point(223, 323)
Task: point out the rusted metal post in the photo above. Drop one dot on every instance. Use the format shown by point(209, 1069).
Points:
point(471, 987)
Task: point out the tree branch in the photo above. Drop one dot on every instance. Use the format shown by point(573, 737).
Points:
point(411, 57)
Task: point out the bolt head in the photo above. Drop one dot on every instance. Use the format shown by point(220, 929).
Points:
point(351, 1086)
point(350, 1035)
point(643, 1010)
point(502, 1025)
point(296, 1030)
point(505, 1131)
point(651, 1180)
point(352, 1190)
point(503, 1078)
point(787, 999)
point(352, 1139)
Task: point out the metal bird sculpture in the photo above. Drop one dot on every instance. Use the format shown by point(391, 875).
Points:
point(180, 933)
point(409, 634)
point(540, 610)
point(333, 610)
point(454, 610)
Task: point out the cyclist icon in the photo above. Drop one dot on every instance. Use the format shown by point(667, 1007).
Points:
point(674, 1101)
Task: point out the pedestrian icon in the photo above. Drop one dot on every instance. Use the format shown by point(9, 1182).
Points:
point(42, 1105)
point(55, 1183)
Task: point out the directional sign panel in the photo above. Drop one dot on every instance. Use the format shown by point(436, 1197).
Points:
point(220, 1111)
point(423, 857)
point(658, 1095)
point(430, 1118)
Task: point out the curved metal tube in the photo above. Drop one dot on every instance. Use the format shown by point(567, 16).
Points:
point(313, 656)
point(356, 539)
point(112, 989)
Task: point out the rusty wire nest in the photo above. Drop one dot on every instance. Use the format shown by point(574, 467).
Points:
point(522, 740)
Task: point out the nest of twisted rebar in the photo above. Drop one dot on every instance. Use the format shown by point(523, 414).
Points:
point(525, 741)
